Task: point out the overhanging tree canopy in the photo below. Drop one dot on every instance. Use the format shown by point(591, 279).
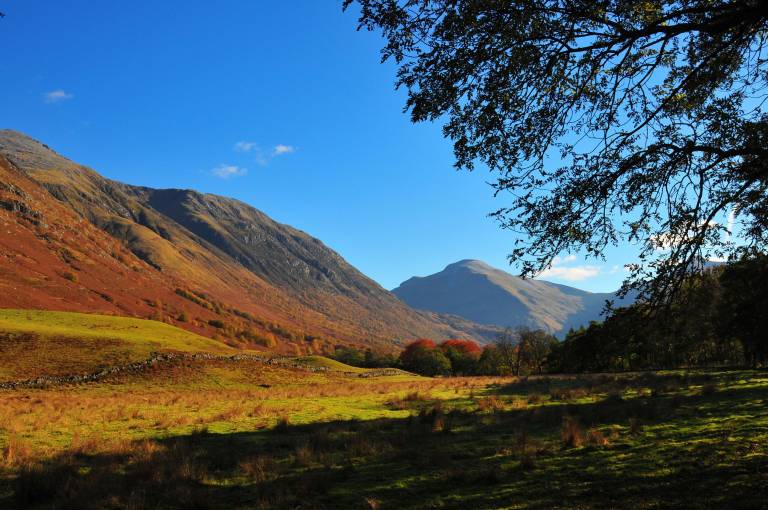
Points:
point(655, 109)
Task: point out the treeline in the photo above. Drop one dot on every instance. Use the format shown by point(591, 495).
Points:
point(515, 352)
point(719, 318)
point(364, 359)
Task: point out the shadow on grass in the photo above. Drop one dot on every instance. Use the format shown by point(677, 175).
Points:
point(661, 450)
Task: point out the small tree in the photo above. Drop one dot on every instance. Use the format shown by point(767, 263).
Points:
point(537, 346)
point(507, 351)
point(491, 362)
point(380, 360)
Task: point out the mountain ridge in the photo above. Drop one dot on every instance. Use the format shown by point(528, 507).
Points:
point(476, 291)
point(229, 251)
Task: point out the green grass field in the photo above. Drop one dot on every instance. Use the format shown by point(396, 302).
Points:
point(38, 342)
point(337, 366)
point(240, 435)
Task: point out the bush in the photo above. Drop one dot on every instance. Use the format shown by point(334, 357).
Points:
point(571, 433)
point(596, 438)
point(412, 349)
point(68, 275)
point(350, 356)
point(490, 404)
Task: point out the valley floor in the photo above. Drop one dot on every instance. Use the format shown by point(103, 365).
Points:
point(214, 434)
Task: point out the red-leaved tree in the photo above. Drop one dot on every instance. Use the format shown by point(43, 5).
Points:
point(415, 347)
point(466, 347)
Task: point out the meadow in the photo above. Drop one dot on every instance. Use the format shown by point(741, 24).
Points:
point(223, 434)
point(227, 432)
point(36, 343)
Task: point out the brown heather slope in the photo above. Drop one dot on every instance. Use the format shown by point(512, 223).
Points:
point(210, 257)
point(51, 258)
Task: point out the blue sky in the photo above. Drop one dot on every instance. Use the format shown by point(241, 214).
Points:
point(283, 105)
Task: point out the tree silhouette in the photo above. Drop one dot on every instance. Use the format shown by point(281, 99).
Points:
point(744, 315)
point(655, 110)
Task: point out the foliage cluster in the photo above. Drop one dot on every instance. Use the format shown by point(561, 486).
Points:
point(719, 318)
point(363, 358)
point(515, 352)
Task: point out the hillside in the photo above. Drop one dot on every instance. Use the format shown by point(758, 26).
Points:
point(105, 246)
point(478, 292)
point(34, 343)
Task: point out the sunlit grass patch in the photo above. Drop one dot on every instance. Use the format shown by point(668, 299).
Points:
point(38, 342)
point(252, 435)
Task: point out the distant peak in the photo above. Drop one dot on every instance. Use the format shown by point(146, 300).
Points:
point(470, 264)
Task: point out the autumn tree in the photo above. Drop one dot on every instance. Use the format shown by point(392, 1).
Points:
point(606, 122)
point(412, 348)
point(423, 357)
point(463, 355)
point(467, 347)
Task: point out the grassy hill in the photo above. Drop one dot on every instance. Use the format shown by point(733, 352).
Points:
point(337, 366)
point(37, 342)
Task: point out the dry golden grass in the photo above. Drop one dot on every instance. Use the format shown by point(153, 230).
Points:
point(91, 419)
point(292, 439)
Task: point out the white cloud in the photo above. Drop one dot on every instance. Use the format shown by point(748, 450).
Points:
point(563, 260)
point(281, 149)
point(569, 273)
point(261, 156)
point(227, 171)
point(55, 96)
point(245, 146)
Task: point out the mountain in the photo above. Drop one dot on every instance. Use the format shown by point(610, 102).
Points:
point(75, 240)
point(478, 292)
